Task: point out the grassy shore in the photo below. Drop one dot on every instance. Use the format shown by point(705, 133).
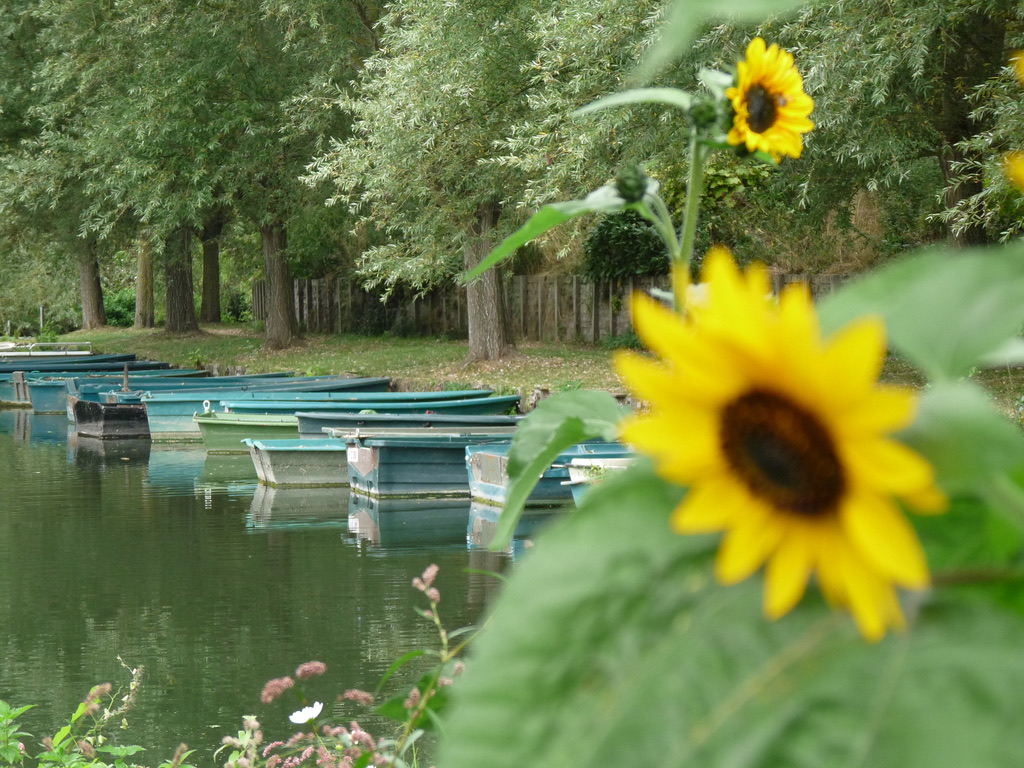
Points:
point(420, 363)
point(434, 363)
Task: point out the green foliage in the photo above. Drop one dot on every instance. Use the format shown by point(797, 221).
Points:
point(120, 307)
point(622, 245)
point(613, 645)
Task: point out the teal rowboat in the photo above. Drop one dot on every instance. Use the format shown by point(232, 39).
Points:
point(487, 466)
point(226, 432)
point(412, 466)
point(354, 397)
point(476, 406)
point(339, 424)
point(170, 413)
point(308, 463)
point(49, 393)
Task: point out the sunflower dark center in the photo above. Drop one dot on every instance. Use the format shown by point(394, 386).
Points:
point(761, 108)
point(782, 454)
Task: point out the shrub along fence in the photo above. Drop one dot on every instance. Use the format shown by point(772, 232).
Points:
point(541, 307)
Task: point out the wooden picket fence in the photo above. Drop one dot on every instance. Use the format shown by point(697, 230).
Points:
point(541, 307)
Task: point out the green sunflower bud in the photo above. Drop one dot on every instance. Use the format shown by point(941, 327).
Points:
point(631, 183)
point(704, 114)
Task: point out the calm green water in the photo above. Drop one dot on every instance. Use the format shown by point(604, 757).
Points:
point(179, 562)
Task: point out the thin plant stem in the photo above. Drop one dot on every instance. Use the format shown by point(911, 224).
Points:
point(691, 212)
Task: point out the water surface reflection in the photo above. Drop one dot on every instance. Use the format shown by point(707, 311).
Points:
point(147, 552)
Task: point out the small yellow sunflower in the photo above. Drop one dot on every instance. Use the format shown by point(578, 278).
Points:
point(1017, 62)
point(784, 439)
point(1013, 167)
point(769, 104)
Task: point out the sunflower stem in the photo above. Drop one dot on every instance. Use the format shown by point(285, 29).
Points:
point(691, 211)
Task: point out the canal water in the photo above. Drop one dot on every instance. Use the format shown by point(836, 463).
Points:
point(182, 564)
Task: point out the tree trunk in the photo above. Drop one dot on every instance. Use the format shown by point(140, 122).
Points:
point(181, 307)
point(93, 313)
point(282, 329)
point(209, 307)
point(972, 55)
point(489, 335)
point(145, 305)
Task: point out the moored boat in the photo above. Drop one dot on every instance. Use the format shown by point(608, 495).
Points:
point(319, 424)
point(349, 396)
point(127, 420)
point(225, 432)
point(487, 467)
point(48, 393)
point(171, 413)
point(480, 406)
point(308, 463)
point(412, 465)
point(62, 362)
point(14, 384)
point(587, 471)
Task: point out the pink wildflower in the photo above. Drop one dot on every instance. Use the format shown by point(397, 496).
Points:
point(433, 595)
point(362, 738)
point(360, 697)
point(87, 750)
point(310, 669)
point(275, 688)
point(97, 691)
point(274, 761)
point(272, 745)
point(414, 699)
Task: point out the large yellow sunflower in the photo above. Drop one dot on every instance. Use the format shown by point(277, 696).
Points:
point(784, 439)
point(770, 106)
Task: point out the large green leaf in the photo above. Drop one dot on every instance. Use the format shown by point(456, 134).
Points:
point(557, 423)
point(946, 311)
point(964, 437)
point(687, 17)
point(673, 97)
point(613, 646)
point(602, 200)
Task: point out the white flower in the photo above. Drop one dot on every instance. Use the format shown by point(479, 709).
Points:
point(306, 714)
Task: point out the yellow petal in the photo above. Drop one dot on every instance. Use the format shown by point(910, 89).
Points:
point(883, 410)
point(871, 600)
point(884, 538)
point(853, 358)
point(748, 544)
point(787, 574)
point(704, 510)
point(886, 466)
point(659, 328)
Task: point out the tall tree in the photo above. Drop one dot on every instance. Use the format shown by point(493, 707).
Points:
point(899, 83)
point(454, 139)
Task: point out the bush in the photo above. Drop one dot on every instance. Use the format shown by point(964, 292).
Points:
point(120, 307)
point(623, 245)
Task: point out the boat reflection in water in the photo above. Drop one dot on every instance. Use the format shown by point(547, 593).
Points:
point(483, 524)
point(174, 470)
point(398, 522)
point(94, 452)
point(282, 508)
point(227, 472)
point(37, 428)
